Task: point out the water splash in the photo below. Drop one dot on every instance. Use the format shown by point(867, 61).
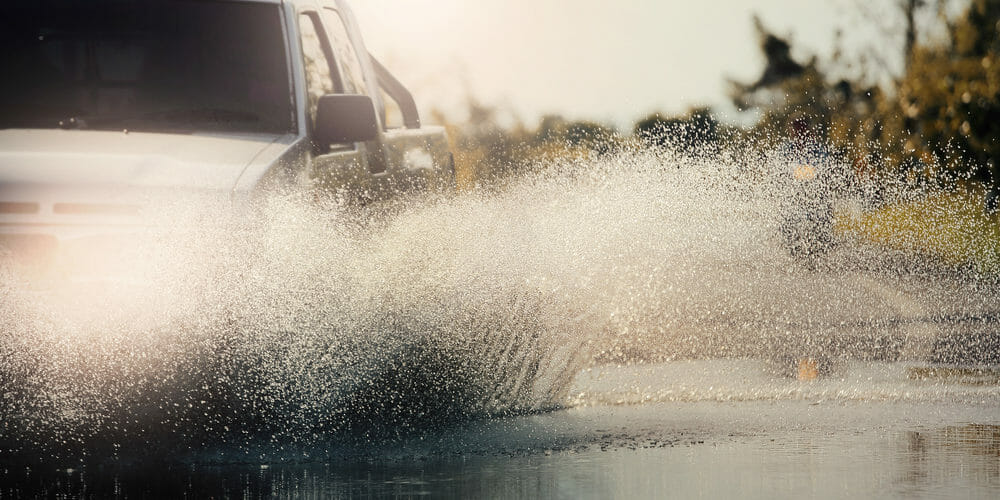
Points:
point(329, 323)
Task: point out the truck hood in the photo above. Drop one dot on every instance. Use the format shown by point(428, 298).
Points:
point(71, 184)
point(80, 159)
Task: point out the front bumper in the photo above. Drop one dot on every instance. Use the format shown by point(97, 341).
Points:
point(33, 252)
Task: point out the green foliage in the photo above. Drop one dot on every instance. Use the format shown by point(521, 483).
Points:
point(940, 120)
point(576, 134)
point(947, 226)
point(487, 154)
point(950, 97)
point(697, 132)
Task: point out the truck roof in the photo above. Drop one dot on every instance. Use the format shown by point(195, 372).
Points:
point(309, 3)
point(340, 5)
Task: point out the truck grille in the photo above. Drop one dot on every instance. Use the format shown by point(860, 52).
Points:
point(94, 209)
point(13, 207)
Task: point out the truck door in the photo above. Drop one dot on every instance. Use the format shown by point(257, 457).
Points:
point(411, 157)
point(336, 168)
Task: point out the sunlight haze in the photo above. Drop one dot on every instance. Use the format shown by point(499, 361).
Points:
point(588, 59)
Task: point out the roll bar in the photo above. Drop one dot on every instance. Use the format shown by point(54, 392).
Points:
point(398, 92)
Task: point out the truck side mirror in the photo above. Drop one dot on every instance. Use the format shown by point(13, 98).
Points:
point(345, 118)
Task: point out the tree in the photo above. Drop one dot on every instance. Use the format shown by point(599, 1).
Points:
point(941, 115)
point(582, 134)
point(788, 89)
point(778, 68)
point(695, 133)
point(950, 95)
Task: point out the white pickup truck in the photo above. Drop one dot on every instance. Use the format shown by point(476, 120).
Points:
point(110, 106)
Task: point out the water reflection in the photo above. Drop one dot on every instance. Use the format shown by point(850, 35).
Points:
point(954, 460)
point(947, 458)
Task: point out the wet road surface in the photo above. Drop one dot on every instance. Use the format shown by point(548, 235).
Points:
point(718, 428)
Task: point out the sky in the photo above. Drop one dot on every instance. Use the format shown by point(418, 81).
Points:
point(612, 62)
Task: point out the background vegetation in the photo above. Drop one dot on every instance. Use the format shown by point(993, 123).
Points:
point(935, 124)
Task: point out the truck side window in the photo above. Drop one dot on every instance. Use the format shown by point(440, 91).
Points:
point(393, 114)
point(315, 55)
point(345, 53)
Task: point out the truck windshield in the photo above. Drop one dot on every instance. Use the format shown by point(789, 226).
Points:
point(162, 66)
